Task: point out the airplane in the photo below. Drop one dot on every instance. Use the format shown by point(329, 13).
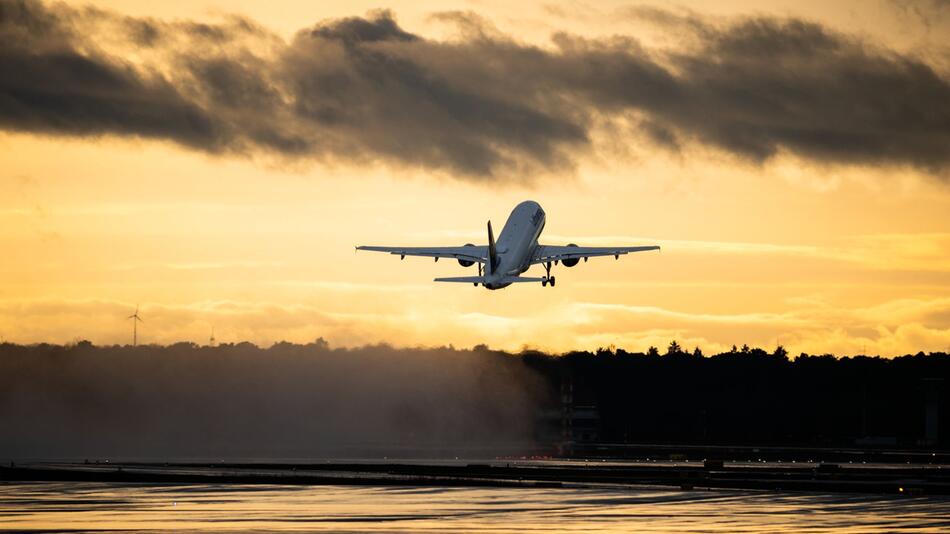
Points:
point(517, 249)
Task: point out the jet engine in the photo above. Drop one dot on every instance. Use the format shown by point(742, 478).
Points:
point(570, 262)
point(466, 263)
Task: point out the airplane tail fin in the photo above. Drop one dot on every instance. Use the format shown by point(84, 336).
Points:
point(492, 251)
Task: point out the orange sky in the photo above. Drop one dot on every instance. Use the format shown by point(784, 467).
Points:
point(820, 256)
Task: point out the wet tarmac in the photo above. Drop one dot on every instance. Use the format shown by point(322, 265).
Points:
point(594, 509)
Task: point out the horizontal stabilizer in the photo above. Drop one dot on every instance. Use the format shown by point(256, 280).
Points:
point(516, 279)
point(481, 279)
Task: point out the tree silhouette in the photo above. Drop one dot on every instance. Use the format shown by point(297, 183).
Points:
point(674, 349)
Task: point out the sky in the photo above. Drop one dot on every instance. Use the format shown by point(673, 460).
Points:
point(215, 164)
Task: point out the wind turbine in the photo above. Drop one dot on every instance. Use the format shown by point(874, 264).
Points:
point(135, 323)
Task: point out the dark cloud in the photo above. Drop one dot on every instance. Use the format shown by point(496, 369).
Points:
point(765, 85)
point(49, 86)
point(356, 30)
point(482, 105)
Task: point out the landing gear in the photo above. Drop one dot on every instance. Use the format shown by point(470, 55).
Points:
point(548, 279)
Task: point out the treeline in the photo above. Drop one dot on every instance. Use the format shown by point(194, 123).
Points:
point(293, 400)
point(748, 396)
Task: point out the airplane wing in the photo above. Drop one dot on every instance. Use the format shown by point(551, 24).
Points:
point(473, 253)
point(546, 253)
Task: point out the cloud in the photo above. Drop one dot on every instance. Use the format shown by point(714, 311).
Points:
point(205, 266)
point(814, 325)
point(50, 85)
point(888, 328)
point(349, 287)
point(479, 106)
point(929, 13)
point(908, 252)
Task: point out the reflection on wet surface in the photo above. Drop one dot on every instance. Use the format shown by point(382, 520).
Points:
point(223, 508)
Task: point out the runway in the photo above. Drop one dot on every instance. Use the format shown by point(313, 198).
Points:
point(880, 478)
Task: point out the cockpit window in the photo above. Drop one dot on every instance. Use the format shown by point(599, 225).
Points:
point(537, 217)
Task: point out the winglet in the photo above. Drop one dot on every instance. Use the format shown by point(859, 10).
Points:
point(492, 252)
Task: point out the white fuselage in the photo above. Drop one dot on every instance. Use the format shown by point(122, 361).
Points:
point(517, 243)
